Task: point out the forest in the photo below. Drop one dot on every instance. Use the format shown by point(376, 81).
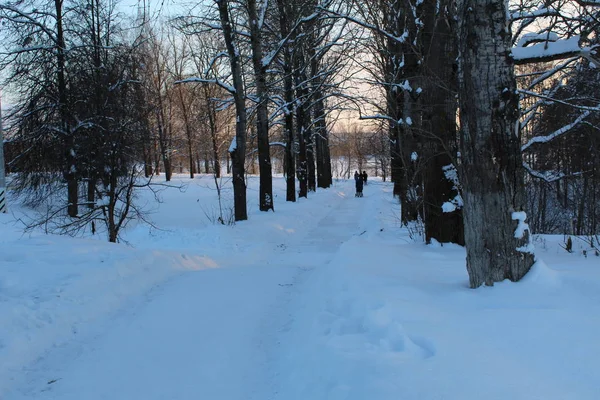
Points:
point(482, 113)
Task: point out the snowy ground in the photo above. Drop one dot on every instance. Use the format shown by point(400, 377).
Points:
point(323, 299)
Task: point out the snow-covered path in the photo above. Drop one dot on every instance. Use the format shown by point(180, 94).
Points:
point(208, 334)
point(325, 299)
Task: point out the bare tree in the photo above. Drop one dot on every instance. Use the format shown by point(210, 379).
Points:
point(3, 203)
point(491, 171)
point(238, 146)
point(36, 54)
point(256, 18)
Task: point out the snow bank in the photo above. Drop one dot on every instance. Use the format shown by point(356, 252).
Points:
point(55, 290)
point(52, 289)
point(542, 276)
point(388, 318)
point(326, 299)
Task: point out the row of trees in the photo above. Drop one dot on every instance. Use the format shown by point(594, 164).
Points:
point(447, 117)
point(281, 64)
point(103, 106)
point(439, 63)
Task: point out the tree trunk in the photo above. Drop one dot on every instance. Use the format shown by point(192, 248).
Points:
point(91, 193)
point(112, 201)
point(147, 159)
point(310, 159)
point(3, 206)
point(214, 135)
point(302, 122)
point(288, 94)
point(323, 156)
point(491, 168)
point(188, 131)
point(70, 173)
point(262, 112)
point(395, 160)
point(302, 157)
point(238, 148)
point(206, 163)
point(162, 142)
point(439, 124)
point(216, 161)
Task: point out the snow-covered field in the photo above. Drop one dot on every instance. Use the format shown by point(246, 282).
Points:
point(326, 298)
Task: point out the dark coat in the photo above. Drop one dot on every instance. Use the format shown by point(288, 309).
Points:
point(359, 185)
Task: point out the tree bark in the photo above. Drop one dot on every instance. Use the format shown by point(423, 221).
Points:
point(238, 149)
point(70, 167)
point(302, 157)
point(324, 175)
point(188, 130)
point(262, 112)
point(302, 121)
point(310, 157)
point(491, 169)
point(439, 124)
point(3, 206)
point(288, 95)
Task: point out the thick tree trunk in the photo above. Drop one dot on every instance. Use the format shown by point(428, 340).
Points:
point(491, 169)
point(237, 149)
point(397, 171)
point(288, 94)
point(302, 122)
point(324, 176)
point(3, 194)
point(290, 160)
point(439, 225)
point(262, 112)
point(302, 156)
point(439, 124)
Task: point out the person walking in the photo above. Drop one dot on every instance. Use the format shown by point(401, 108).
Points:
point(358, 180)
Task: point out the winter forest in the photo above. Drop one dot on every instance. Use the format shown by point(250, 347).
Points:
point(213, 144)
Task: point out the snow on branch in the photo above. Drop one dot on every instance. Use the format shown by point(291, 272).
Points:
point(530, 38)
point(548, 176)
point(268, 58)
point(25, 18)
point(551, 72)
point(218, 82)
point(378, 116)
point(539, 13)
point(547, 50)
point(556, 133)
point(400, 39)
